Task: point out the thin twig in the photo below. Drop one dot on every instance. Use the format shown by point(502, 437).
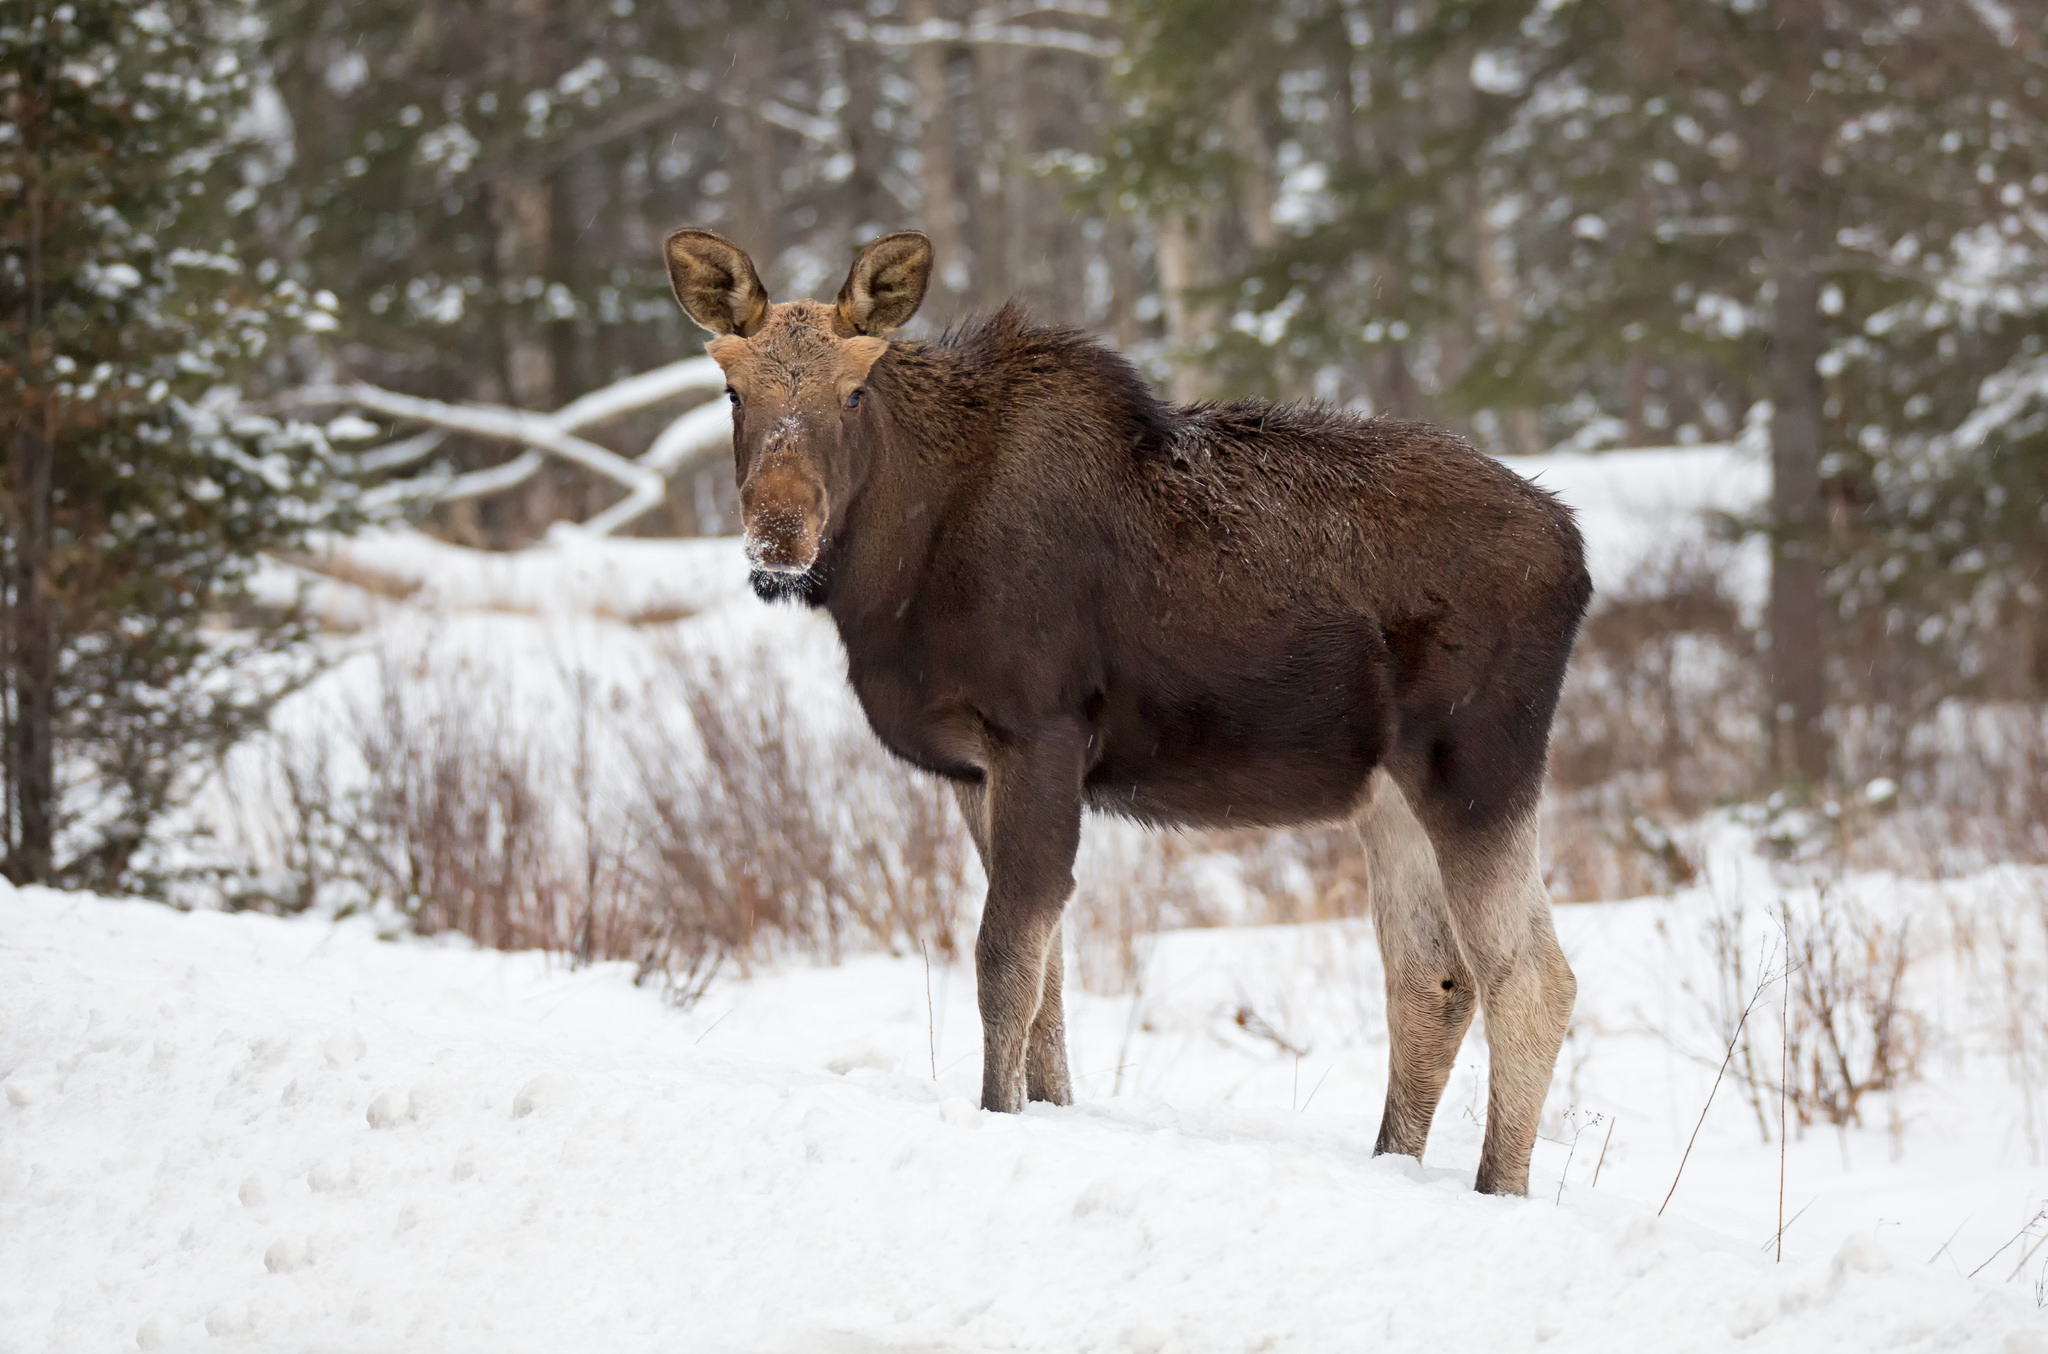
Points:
point(1710, 1096)
point(714, 1025)
point(2024, 1258)
point(1788, 1224)
point(1130, 1028)
point(1612, 1120)
point(1951, 1241)
point(2009, 1241)
point(1784, 1054)
point(931, 1035)
point(1571, 1152)
point(1317, 1087)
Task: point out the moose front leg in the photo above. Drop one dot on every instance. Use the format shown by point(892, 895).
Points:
point(1030, 827)
point(1045, 1054)
point(1045, 1061)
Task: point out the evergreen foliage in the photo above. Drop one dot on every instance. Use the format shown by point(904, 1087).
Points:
point(138, 487)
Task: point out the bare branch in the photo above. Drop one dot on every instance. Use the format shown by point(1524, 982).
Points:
point(637, 392)
point(511, 425)
point(695, 434)
point(702, 431)
point(494, 480)
point(393, 455)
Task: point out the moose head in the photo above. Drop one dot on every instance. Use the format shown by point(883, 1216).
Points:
point(796, 374)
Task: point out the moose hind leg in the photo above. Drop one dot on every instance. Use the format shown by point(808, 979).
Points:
point(1430, 996)
point(1501, 912)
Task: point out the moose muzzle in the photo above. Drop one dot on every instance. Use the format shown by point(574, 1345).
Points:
point(784, 510)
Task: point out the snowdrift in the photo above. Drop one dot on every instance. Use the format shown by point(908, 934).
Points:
point(234, 1132)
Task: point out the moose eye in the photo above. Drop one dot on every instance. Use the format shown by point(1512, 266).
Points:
point(853, 399)
point(733, 395)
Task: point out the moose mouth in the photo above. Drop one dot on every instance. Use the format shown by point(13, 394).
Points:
point(790, 585)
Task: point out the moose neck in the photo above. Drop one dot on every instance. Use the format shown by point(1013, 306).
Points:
point(916, 452)
point(947, 411)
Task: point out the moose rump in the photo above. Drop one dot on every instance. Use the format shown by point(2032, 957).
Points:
point(1062, 593)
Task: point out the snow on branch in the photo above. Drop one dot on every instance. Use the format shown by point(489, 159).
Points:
point(637, 392)
point(2001, 399)
point(980, 31)
point(701, 431)
point(696, 433)
point(484, 420)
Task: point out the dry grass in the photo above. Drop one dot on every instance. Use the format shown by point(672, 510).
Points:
point(2001, 942)
point(1657, 724)
point(1853, 1031)
point(1662, 720)
point(459, 825)
point(1845, 1029)
point(697, 825)
point(759, 835)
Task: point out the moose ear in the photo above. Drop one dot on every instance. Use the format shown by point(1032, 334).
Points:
point(886, 285)
point(715, 282)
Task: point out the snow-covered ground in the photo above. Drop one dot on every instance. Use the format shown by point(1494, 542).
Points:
point(236, 1132)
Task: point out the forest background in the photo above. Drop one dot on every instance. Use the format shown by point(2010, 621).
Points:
point(1814, 228)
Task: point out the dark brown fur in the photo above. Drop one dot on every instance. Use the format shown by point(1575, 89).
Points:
point(1060, 592)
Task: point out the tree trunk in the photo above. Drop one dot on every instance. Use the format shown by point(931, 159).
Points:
point(522, 211)
point(524, 219)
point(868, 210)
point(31, 637)
point(944, 221)
point(521, 204)
point(1497, 283)
point(1636, 398)
point(751, 157)
point(31, 756)
point(1796, 620)
point(995, 130)
point(1120, 247)
point(1251, 145)
point(1186, 266)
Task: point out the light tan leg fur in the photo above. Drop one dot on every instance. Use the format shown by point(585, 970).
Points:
point(1430, 996)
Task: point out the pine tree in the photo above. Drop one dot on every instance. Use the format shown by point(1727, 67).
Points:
point(1320, 163)
point(1762, 190)
point(138, 488)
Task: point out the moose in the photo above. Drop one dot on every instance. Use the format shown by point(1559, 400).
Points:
point(1060, 593)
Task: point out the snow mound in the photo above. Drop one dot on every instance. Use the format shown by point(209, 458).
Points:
point(1644, 511)
point(232, 1132)
point(356, 581)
